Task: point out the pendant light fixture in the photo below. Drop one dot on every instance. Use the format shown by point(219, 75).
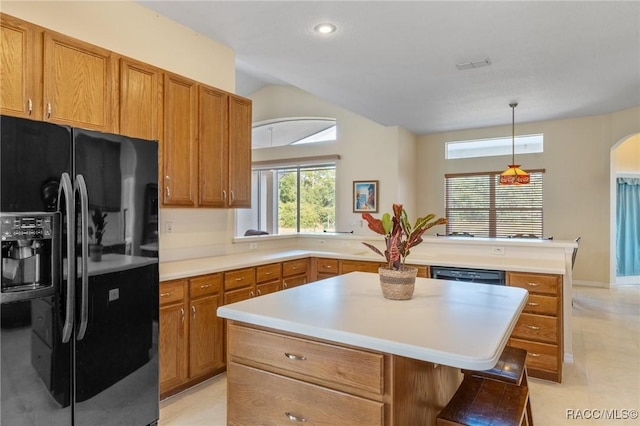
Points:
point(514, 175)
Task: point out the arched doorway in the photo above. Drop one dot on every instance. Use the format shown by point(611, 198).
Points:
point(625, 163)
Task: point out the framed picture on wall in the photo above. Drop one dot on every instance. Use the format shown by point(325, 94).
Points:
point(365, 196)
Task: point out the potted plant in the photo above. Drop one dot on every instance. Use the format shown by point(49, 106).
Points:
point(396, 279)
point(96, 233)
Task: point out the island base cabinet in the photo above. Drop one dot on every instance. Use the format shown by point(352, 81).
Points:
point(276, 400)
point(271, 373)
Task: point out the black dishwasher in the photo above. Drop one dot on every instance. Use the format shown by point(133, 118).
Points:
point(482, 276)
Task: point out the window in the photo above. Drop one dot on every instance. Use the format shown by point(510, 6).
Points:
point(287, 200)
point(525, 144)
point(475, 203)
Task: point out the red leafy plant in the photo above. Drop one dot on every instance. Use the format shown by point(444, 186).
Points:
point(399, 235)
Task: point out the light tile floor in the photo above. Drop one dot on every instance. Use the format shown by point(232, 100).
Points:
point(601, 387)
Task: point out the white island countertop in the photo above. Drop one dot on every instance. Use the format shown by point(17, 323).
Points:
point(462, 325)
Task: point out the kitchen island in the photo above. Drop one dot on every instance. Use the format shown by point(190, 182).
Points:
point(335, 351)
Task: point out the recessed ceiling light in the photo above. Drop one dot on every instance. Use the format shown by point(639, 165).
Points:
point(325, 28)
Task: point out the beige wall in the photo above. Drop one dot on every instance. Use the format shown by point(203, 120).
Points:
point(576, 184)
point(135, 31)
point(626, 156)
point(367, 149)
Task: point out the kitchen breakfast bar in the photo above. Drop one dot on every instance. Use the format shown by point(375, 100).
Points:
point(336, 352)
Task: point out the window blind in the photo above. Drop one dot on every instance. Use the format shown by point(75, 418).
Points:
point(475, 203)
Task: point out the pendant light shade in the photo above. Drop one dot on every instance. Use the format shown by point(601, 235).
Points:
point(514, 175)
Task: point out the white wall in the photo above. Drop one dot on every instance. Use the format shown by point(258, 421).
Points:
point(576, 183)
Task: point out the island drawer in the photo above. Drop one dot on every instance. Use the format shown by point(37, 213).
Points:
point(295, 281)
point(205, 285)
point(539, 304)
point(535, 283)
point(275, 399)
point(539, 355)
point(239, 278)
point(321, 363)
point(172, 291)
point(267, 273)
point(294, 267)
point(536, 327)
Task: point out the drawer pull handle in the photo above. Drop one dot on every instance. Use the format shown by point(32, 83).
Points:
point(181, 314)
point(533, 354)
point(294, 267)
point(327, 266)
point(259, 292)
point(532, 327)
point(284, 285)
point(533, 304)
point(268, 273)
point(240, 279)
point(166, 294)
point(295, 357)
point(533, 284)
point(295, 418)
point(206, 285)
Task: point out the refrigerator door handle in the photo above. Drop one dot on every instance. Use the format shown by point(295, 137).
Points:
point(66, 188)
point(81, 187)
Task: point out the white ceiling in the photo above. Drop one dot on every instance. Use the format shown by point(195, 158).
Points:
point(395, 61)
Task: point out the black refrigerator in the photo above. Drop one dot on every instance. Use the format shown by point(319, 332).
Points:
point(79, 299)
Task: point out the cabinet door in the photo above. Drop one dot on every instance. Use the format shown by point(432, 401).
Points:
point(20, 68)
point(140, 99)
point(239, 152)
point(172, 346)
point(205, 333)
point(78, 83)
point(213, 147)
point(180, 149)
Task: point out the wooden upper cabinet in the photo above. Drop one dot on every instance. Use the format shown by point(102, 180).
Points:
point(77, 83)
point(239, 151)
point(179, 144)
point(213, 147)
point(20, 68)
point(140, 99)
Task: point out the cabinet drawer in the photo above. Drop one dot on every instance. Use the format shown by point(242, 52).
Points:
point(238, 295)
point(539, 355)
point(362, 266)
point(267, 273)
point(294, 281)
point(294, 267)
point(239, 278)
point(205, 285)
point(260, 397)
point(327, 266)
point(267, 288)
point(535, 283)
point(172, 291)
point(319, 362)
point(537, 327)
point(538, 304)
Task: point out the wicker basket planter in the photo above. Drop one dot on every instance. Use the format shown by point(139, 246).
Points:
point(398, 285)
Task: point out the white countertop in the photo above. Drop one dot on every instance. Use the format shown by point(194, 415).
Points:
point(463, 325)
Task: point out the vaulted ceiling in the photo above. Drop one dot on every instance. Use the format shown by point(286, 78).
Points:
point(394, 62)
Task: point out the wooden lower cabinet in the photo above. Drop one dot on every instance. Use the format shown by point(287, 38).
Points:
point(295, 273)
point(326, 268)
point(191, 334)
point(277, 378)
point(539, 328)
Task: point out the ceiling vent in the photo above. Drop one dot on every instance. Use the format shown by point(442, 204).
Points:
point(473, 64)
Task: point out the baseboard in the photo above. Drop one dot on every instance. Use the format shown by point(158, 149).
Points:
point(590, 283)
point(630, 280)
